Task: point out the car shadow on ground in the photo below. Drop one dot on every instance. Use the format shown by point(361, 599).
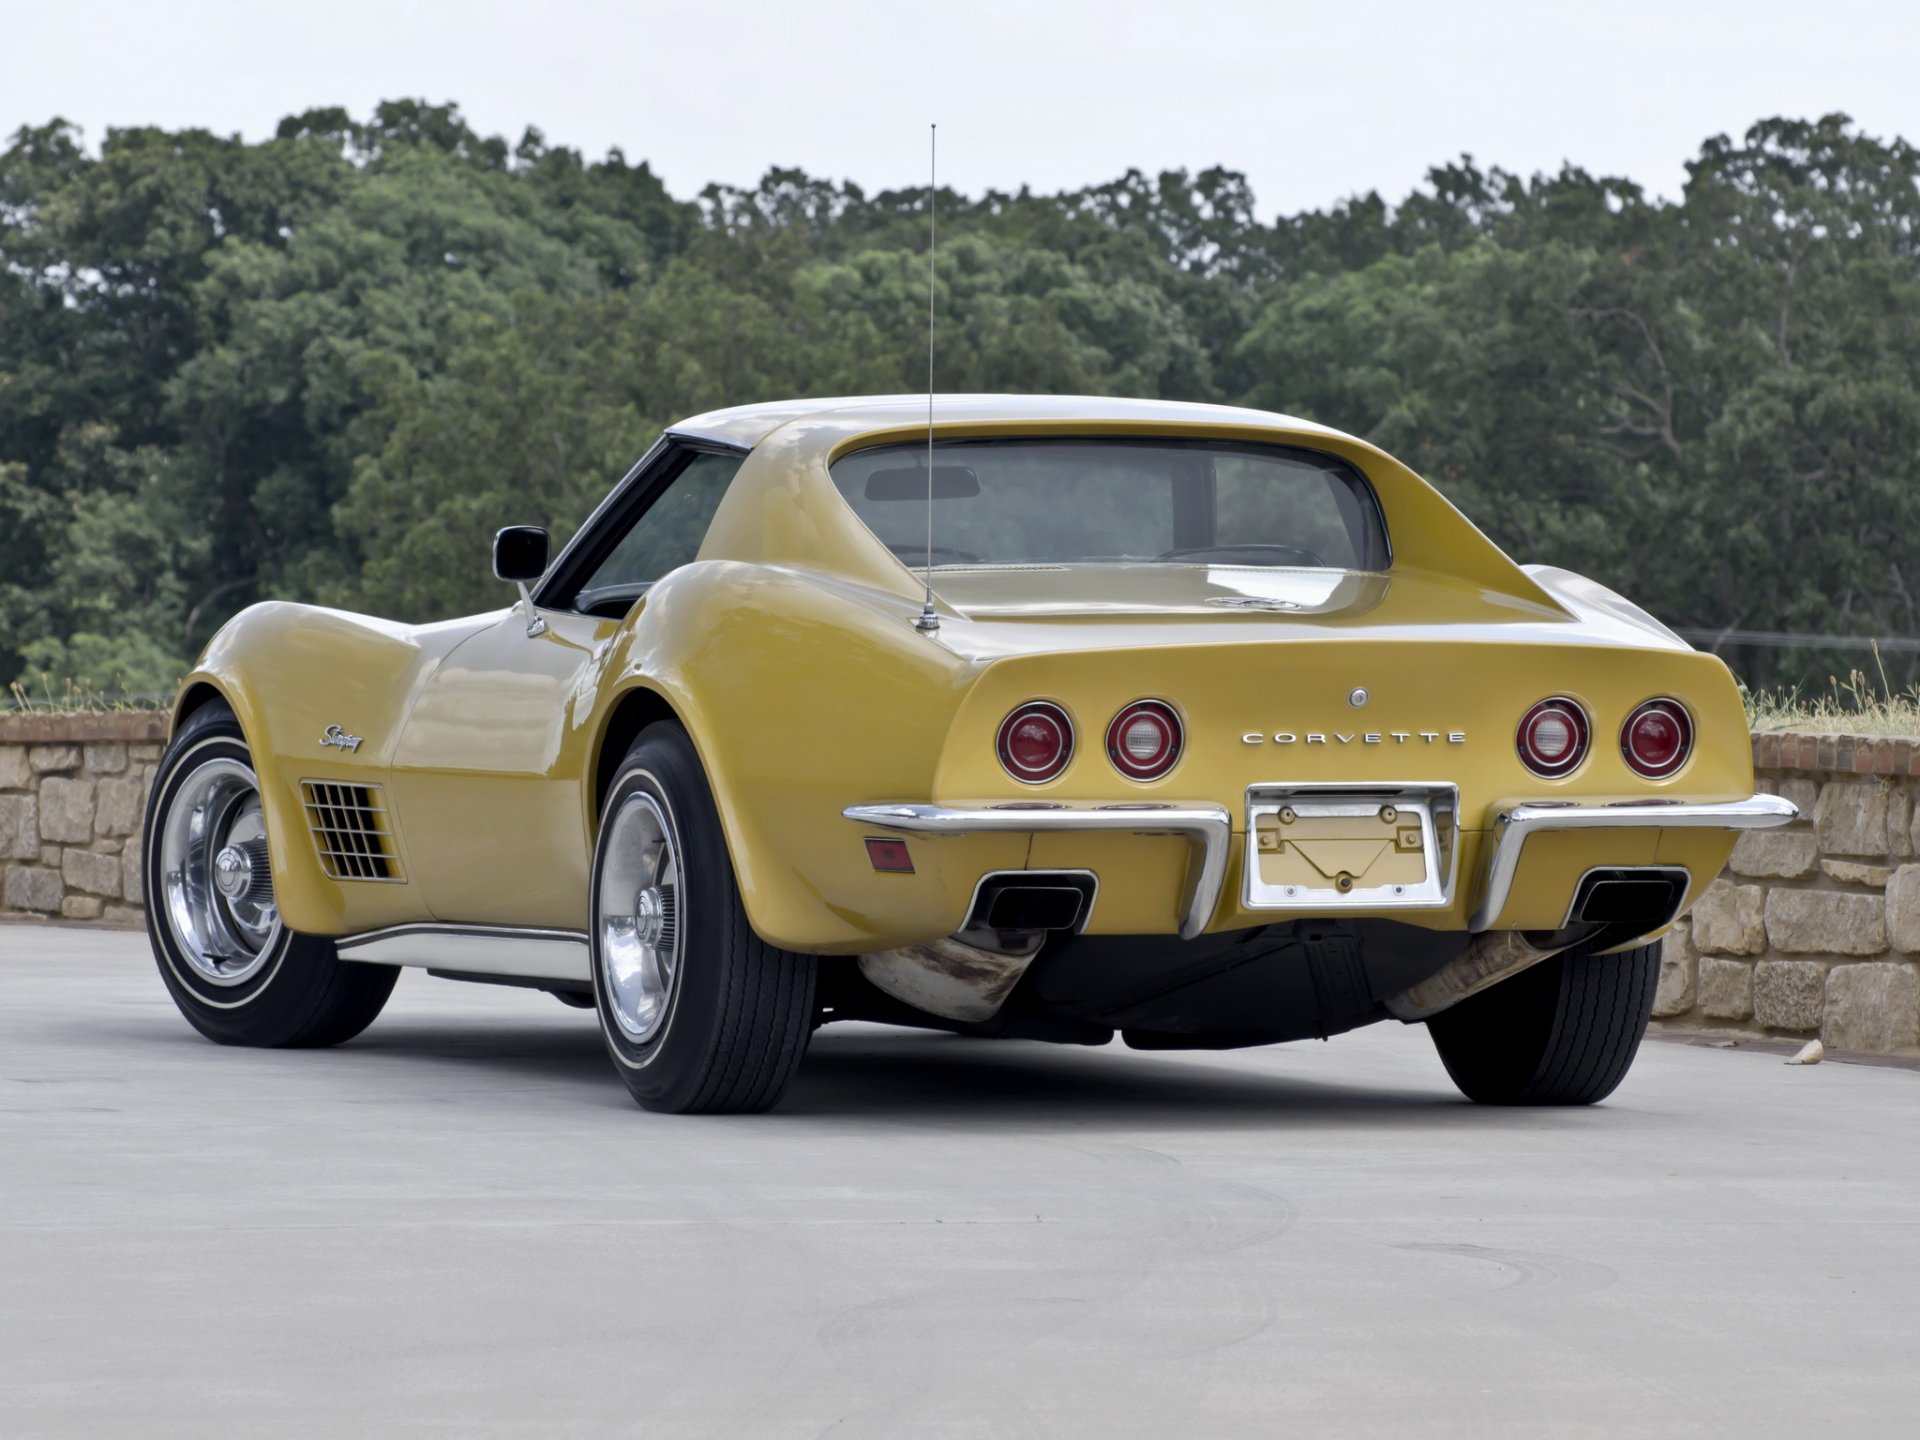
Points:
point(562, 1048)
point(870, 1073)
point(915, 1076)
point(998, 1083)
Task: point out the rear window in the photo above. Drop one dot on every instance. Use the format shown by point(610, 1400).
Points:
point(1089, 502)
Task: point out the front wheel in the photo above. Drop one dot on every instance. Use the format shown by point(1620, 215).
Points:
point(699, 1014)
point(1562, 1032)
point(238, 975)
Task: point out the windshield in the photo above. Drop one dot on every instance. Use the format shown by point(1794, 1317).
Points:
point(1070, 502)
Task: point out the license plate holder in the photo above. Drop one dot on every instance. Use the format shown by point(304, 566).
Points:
point(1351, 847)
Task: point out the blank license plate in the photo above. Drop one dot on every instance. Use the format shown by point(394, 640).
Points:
point(1347, 850)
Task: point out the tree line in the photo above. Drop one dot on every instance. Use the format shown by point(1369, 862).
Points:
point(327, 365)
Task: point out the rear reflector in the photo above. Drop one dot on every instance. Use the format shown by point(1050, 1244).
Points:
point(889, 856)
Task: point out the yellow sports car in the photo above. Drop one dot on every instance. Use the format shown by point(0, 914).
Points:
point(1042, 717)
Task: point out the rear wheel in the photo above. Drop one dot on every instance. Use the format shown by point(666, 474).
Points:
point(236, 972)
point(1562, 1032)
point(699, 1015)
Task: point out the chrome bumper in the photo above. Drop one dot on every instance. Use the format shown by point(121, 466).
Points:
point(1209, 830)
point(1512, 827)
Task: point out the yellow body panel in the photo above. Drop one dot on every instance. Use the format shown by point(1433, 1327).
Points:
point(1139, 877)
point(788, 653)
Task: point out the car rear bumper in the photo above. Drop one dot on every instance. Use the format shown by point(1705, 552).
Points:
point(1208, 829)
point(1514, 825)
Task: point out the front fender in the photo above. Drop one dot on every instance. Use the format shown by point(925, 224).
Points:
point(289, 672)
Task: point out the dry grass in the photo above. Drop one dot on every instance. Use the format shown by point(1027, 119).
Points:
point(1854, 706)
point(76, 697)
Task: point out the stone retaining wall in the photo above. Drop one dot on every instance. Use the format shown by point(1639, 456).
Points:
point(1813, 930)
point(73, 790)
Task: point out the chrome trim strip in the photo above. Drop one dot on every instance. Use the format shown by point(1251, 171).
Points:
point(528, 954)
point(700, 437)
point(1207, 828)
point(1512, 827)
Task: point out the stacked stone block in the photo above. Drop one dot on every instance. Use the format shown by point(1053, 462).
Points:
point(1814, 929)
point(73, 791)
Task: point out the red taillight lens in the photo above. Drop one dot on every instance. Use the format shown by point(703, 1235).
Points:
point(1657, 738)
point(1552, 739)
point(1144, 740)
point(1036, 741)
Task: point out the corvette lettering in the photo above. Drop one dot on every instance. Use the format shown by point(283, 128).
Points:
point(1371, 737)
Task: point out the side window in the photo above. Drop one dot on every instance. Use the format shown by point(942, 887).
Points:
point(668, 535)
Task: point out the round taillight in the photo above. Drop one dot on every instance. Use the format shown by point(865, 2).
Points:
point(1657, 738)
point(1144, 740)
point(1552, 739)
point(1036, 741)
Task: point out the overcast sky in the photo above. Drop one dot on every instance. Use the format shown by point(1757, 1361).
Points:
point(1313, 101)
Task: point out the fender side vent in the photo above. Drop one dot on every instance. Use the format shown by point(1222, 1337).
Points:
point(350, 830)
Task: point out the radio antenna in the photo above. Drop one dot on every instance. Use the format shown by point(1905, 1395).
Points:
point(928, 621)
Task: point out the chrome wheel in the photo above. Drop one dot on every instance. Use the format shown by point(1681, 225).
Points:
point(216, 889)
point(638, 919)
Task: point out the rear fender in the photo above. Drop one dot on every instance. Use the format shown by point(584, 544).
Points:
point(803, 696)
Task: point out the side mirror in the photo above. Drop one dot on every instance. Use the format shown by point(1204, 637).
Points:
point(520, 553)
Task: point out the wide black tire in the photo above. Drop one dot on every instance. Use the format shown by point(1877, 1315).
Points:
point(301, 994)
point(1561, 1033)
point(738, 1012)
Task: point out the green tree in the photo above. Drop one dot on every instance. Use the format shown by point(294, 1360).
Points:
point(325, 366)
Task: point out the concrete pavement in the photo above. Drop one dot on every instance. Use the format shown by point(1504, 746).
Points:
point(460, 1225)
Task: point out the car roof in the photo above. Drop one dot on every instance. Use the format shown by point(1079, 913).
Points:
point(745, 426)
